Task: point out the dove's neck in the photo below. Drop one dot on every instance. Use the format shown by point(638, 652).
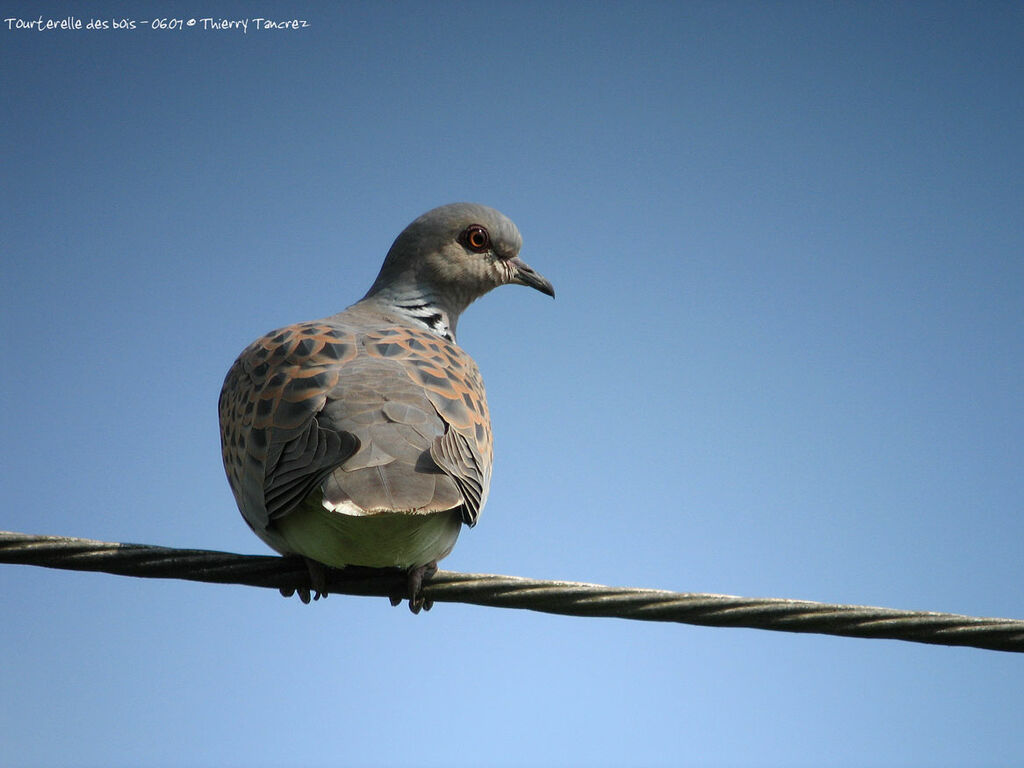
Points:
point(421, 307)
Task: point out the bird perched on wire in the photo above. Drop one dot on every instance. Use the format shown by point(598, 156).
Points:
point(364, 438)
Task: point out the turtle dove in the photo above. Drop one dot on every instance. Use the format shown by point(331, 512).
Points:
point(364, 438)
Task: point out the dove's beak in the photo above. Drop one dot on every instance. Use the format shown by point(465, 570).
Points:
point(524, 274)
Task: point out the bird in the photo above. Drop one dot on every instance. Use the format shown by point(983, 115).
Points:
point(364, 438)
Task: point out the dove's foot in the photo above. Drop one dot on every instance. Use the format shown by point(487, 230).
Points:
point(318, 580)
point(416, 577)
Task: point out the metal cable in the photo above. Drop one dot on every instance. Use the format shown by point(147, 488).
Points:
point(561, 597)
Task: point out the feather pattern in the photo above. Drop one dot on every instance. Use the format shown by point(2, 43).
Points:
point(364, 438)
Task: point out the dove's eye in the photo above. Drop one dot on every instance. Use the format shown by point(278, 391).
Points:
point(476, 238)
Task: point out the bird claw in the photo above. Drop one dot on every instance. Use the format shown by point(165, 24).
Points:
point(415, 578)
point(318, 580)
point(414, 587)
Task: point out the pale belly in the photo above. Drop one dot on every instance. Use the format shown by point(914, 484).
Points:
point(388, 539)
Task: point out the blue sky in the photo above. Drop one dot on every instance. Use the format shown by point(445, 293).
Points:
point(785, 360)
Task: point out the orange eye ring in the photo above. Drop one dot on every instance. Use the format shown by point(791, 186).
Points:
point(476, 238)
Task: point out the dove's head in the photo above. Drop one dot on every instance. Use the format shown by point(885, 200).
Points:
point(455, 254)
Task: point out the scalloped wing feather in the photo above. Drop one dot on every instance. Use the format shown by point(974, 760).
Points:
point(386, 420)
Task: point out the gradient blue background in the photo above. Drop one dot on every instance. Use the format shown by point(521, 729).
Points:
point(785, 359)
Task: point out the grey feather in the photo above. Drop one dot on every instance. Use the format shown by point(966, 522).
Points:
point(375, 412)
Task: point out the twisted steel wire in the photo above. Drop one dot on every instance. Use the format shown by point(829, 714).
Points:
point(560, 597)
